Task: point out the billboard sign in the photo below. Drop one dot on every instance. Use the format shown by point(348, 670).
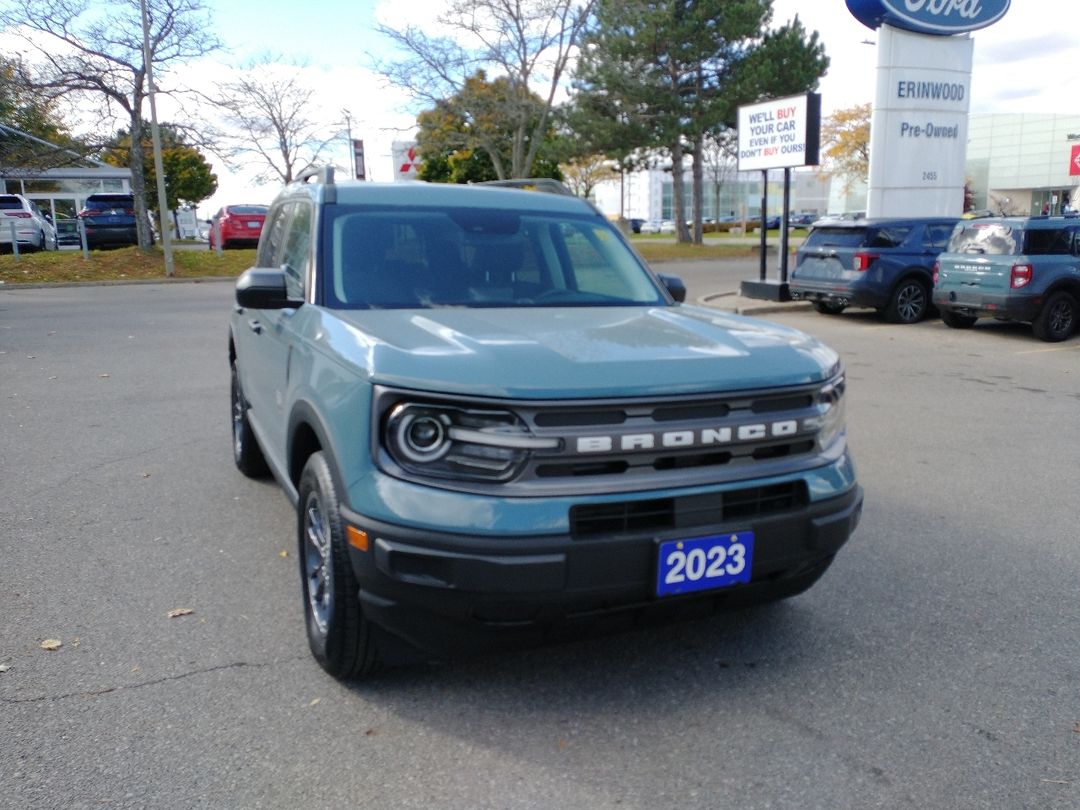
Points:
point(1074, 162)
point(934, 17)
point(781, 133)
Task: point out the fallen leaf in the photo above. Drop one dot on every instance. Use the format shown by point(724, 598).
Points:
point(135, 669)
point(75, 641)
point(315, 702)
point(1076, 728)
point(172, 614)
point(51, 644)
point(283, 553)
point(371, 732)
point(5, 667)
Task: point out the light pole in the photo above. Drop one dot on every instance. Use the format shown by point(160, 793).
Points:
point(159, 169)
point(352, 151)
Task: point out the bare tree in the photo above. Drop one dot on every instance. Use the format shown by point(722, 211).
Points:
point(266, 113)
point(94, 52)
point(584, 174)
point(720, 157)
point(527, 43)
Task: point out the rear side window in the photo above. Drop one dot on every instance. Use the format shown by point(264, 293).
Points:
point(991, 238)
point(937, 236)
point(1049, 242)
point(887, 237)
point(11, 203)
point(825, 237)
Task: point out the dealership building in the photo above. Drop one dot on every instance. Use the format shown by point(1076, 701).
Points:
point(1017, 163)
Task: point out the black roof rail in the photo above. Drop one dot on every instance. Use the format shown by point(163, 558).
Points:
point(531, 184)
point(323, 174)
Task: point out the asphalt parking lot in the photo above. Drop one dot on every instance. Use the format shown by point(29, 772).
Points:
point(935, 665)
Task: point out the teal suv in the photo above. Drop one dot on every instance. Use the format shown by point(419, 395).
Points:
point(1017, 269)
point(495, 422)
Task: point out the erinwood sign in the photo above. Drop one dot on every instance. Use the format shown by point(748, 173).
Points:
point(918, 130)
point(780, 133)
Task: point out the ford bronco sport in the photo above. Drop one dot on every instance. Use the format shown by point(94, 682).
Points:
point(1019, 269)
point(494, 421)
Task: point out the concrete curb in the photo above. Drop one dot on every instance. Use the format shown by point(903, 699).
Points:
point(733, 302)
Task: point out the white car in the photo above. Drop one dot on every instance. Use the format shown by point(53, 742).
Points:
point(22, 221)
point(667, 226)
point(652, 226)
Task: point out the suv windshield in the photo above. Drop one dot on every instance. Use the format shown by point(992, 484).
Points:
point(986, 237)
point(403, 258)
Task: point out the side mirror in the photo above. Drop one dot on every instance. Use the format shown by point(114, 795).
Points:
point(675, 286)
point(263, 288)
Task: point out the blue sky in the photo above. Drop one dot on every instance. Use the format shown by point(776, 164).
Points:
point(1028, 62)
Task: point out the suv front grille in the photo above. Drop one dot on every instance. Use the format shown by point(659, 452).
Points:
point(634, 445)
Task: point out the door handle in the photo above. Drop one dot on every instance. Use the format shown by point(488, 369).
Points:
point(255, 327)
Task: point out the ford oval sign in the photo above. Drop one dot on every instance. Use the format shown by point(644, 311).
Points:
point(937, 17)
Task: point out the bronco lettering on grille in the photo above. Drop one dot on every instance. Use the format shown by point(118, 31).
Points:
point(705, 437)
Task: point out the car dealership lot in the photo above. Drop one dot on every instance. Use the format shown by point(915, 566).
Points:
point(934, 665)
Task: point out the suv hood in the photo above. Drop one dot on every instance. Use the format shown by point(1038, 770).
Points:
point(574, 352)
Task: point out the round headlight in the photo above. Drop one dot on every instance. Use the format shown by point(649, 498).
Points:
point(420, 435)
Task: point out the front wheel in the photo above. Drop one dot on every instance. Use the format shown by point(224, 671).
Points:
point(246, 451)
point(338, 634)
point(909, 302)
point(955, 320)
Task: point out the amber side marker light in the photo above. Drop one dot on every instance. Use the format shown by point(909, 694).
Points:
point(357, 538)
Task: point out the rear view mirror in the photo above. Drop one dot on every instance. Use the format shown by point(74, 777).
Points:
point(263, 288)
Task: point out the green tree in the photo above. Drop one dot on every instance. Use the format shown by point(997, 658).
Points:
point(667, 74)
point(29, 117)
point(95, 52)
point(525, 45)
point(188, 176)
point(468, 138)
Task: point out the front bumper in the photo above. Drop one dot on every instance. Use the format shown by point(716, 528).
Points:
point(1004, 306)
point(446, 593)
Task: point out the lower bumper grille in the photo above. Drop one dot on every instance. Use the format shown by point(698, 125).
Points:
point(661, 514)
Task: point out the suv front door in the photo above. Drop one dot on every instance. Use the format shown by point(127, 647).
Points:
point(265, 343)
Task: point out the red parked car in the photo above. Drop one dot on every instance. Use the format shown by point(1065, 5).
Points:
point(237, 226)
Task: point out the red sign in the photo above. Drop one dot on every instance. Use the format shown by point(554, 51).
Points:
point(1074, 162)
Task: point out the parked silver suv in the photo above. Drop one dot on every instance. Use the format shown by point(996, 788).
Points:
point(23, 223)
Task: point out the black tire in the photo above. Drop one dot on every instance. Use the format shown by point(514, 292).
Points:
point(338, 634)
point(246, 451)
point(955, 320)
point(909, 302)
point(829, 307)
point(1056, 320)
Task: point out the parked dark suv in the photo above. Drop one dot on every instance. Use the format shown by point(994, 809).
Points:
point(109, 220)
point(886, 264)
point(1017, 269)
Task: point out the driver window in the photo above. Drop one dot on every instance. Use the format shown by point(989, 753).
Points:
point(296, 253)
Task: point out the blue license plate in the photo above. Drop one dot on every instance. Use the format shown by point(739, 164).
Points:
point(702, 563)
